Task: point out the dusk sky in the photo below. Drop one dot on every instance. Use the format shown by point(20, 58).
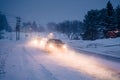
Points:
point(44, 11)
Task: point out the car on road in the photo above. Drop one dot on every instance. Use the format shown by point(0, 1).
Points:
point(53, 45)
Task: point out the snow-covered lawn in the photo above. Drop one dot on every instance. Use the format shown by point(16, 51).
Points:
point(103, 46)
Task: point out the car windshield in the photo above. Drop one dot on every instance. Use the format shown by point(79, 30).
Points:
point(55, 41)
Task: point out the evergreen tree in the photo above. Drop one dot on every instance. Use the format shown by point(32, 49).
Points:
point(3, 23)
point(102, 23)
point(110, 19)
point(91, 23)
point(110, 9)
point(118, 17)
point(98, 23)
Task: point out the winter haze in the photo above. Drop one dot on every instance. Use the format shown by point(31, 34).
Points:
point(59, 39)
point(44, 11)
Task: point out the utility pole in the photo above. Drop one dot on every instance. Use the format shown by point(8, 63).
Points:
point(18, 20)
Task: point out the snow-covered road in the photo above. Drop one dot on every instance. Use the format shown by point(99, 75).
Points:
point(25, 63)
point(21, 62)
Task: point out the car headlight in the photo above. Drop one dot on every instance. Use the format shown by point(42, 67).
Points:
point(51, 46)
point(64, 46)
point(35, 41)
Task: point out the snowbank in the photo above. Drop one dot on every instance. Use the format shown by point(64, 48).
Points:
point(102, 46)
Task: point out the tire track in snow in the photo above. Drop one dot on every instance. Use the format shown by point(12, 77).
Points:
point(28, 67)
point(42, 68)
point(4, 52)
point(48, 73)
